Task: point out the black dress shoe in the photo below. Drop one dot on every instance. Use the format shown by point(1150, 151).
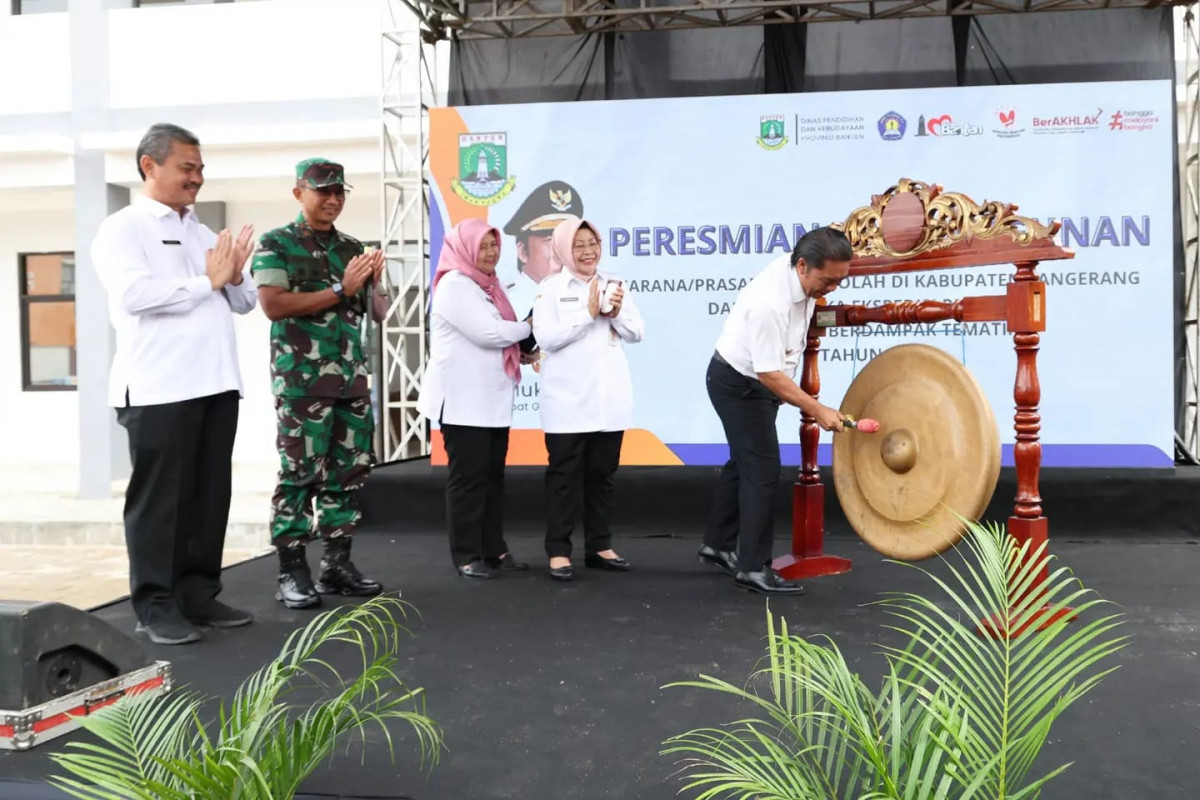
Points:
point(475, 569)
point(507, 562)
point(596, 561)
point(170, 630)
point(216, 614)
point(767, 582)
point(566, 573)
point(724, 560)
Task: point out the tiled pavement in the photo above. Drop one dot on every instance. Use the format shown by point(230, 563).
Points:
point(83, 576)
point(57, 547)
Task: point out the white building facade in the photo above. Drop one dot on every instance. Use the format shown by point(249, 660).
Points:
point(262, 83)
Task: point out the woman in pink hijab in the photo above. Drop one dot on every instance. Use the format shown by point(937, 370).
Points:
point(474, 365)
point(582, 320)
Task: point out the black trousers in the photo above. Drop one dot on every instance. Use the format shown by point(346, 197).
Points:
point(475, 492)
point(579, 481)
point(742, 517)
point(177, 502)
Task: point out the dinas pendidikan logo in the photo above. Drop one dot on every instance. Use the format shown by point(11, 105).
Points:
point(772, 133)
point(891, 127)
point(483, 178)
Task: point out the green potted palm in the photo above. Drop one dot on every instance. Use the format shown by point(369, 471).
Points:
point(263, 745)
point(960, 714)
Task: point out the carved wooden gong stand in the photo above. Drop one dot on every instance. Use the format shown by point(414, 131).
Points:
point(914, 227)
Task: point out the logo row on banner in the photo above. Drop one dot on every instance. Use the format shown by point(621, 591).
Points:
point(777, 130)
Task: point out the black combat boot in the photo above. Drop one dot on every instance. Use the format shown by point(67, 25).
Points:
point(339, 575)
point(295, 579)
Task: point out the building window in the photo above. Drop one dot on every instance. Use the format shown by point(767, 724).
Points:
point(47, 290)
point(38, 6)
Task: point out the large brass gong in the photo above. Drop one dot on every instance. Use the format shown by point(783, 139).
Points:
point(936, 453)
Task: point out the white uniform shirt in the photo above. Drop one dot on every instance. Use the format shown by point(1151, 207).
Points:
point(465, 382)
point(585, 383)
point(767, 329)
point(175, 337)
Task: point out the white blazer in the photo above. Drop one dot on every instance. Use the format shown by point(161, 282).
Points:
point(465, 382)
point(585, 384)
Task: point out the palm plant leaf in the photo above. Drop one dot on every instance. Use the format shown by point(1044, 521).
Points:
point(959, 715)
point(142, 731)
point(1013, 687)
point(264, 744)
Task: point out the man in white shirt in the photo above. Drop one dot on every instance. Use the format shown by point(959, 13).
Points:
point(173, 287)
point(751, 373)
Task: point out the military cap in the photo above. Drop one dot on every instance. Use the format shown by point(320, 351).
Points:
point(317, 173)
point(546, 206)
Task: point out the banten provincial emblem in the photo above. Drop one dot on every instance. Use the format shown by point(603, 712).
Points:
point(771, 132)
point(483, 177)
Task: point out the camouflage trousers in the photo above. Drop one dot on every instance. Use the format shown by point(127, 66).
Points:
point(326, 453)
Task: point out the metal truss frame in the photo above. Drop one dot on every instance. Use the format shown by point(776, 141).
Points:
point(1189, 126)
point(479, 19)
point(408, 91)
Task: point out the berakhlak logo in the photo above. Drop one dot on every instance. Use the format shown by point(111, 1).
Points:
point(1067, 123)
point(771, 132)
point(891, 126)
point(483, 178)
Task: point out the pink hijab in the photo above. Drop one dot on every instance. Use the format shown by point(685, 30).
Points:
point(460, 250)
point(562, 245)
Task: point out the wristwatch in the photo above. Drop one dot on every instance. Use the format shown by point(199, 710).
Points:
point(339, 291)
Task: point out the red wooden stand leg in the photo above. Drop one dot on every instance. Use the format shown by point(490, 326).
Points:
point(1027, 524)
point(808, 559)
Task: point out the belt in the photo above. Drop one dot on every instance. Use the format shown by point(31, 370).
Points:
point(717, 355)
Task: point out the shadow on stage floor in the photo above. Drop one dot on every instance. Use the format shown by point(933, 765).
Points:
point(554, 691)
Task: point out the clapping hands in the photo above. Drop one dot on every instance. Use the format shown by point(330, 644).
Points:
point(361, 269)
point(225, 260)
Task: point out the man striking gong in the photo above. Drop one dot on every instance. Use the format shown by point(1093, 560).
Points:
point(751, 373)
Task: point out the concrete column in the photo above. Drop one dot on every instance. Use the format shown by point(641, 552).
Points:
point(212, 214)
point(103, 447)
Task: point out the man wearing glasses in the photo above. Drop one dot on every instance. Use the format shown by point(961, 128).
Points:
point(314, 283)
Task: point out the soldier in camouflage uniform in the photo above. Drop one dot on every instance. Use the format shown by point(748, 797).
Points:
point(313, 283)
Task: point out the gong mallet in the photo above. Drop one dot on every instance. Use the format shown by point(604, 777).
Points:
point(862, 425)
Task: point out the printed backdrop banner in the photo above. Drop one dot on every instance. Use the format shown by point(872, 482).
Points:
point(695, 196)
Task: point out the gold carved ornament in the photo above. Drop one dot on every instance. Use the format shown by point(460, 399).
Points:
point(912, 218)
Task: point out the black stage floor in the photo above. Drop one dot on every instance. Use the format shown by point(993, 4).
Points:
point(548, 690)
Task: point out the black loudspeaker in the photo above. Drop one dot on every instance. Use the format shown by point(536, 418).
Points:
point(48, 650)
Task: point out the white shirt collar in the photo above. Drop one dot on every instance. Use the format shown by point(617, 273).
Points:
point(572, 277)
point(794, 285)
point(158, 209)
